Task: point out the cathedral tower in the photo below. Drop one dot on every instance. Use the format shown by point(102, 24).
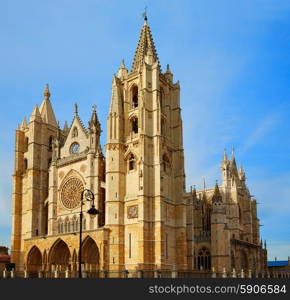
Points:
point(145, 181)
point(33, 154)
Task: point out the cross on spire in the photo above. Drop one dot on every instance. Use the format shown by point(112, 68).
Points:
point(94, 107)
point(144, 15)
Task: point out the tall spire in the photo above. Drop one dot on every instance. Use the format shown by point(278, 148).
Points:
point(233, 161)
point(225, 155)
point(145, 46)
point(46, 109)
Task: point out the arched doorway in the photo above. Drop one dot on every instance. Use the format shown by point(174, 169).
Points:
point(59, 256)
point(34, 260)
point(90, 255)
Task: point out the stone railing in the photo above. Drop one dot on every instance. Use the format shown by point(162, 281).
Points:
point(145, 274)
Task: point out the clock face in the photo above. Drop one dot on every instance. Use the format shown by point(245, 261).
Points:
point(75, 148)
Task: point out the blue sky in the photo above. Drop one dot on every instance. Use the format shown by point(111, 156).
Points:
point(232, 59)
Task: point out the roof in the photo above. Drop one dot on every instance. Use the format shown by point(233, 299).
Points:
point(277, 263)
point(145, 44)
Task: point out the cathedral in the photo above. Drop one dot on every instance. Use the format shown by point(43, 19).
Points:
point(146, 219)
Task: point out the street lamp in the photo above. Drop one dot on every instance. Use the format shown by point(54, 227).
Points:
point(89, 196)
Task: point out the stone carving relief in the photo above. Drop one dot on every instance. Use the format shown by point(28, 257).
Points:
point(132, 211)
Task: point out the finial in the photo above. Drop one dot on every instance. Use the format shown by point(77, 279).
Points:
point(94, 108)
point(203, 183)
point(76, 108)
point(168, 69)
point(225, 154)
point(46, 92)
point(144, 15)
point(233, 152)
point(123, 64)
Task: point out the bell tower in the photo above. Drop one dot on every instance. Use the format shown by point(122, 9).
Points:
point(145, 181)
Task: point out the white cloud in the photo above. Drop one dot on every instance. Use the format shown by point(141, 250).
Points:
point(264, 127)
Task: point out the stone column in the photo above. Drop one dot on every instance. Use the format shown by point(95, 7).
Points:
point(213, 273)
point(5, 273)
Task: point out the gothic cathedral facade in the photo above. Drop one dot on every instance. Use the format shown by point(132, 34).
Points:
point(147, 220)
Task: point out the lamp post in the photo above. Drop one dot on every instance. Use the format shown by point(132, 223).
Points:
point(89, 196)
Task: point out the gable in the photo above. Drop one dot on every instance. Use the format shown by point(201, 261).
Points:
point(76, 135)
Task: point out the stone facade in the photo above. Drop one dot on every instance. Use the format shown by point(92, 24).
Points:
point(146, 220)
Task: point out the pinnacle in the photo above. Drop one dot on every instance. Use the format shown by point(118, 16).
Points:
point(65, 127)
point(46, 93)
point(24, 123)
point(216, 194)
point(35, 115)
point(225, 155)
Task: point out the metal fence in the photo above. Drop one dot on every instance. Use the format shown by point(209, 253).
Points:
point(144, 274)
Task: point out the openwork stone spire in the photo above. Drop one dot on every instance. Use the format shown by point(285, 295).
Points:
point(145, 46)
point(216, 195)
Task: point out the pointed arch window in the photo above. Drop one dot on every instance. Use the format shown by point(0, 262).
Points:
point(26, 144)
point(204, 259)
point(74, 224)
point(134, 96)
point(25, 164)
point(134, 125)
point(132, 162)
point(50, 141)
point(75, 132)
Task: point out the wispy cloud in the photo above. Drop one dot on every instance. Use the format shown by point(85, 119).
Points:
point(264, 127)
